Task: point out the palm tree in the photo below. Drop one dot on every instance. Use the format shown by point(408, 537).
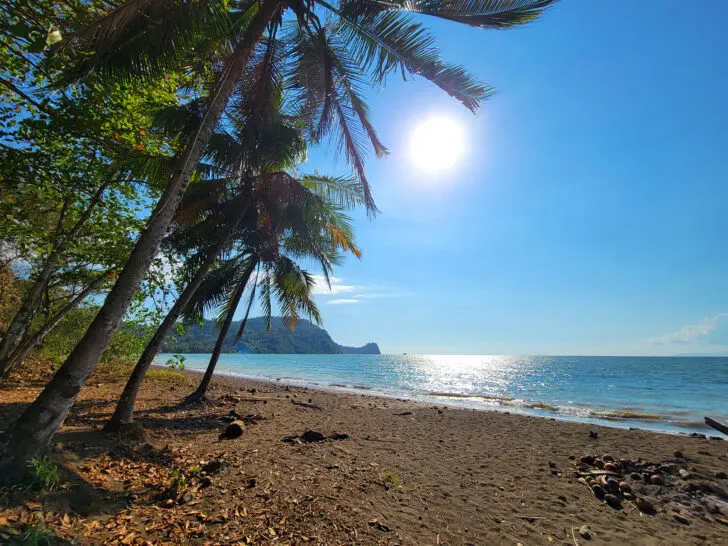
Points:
point(292, 222)
point(364, 41)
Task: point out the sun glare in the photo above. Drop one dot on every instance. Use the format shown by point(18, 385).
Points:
point(437, 143)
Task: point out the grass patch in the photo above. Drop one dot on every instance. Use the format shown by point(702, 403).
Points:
point(166, 376)
point(116, 369)
point(391, 480)
point(45, 473)
point(38, 535)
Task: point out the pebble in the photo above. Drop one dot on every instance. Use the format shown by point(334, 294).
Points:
point(613, 501)
point(644, 505)
point(585, 532)
point(636, 476)
point(598, 490)
point(679, 455)
point(681, 519)
point(587, 459)
point(656, 479)
point(624, 487)
point(608, 458)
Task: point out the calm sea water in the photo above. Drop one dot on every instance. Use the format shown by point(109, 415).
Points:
point(668, 394)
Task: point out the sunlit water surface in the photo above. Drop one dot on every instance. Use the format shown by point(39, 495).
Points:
point(668, 394)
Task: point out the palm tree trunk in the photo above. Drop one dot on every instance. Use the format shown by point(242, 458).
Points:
point(30, 435)
point(22, 351)
point(199, 394)
point(124, 413)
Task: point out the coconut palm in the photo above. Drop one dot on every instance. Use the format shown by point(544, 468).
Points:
point(260, 140)
point(292, 223)
point(361, 43)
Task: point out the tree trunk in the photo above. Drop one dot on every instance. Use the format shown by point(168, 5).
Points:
point(30, 435)
point(31, 302)
point(24, 317)
point(22, 351)
point(199, 394)
point(124, 413)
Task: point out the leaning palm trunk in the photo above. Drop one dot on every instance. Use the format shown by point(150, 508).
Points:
point(24, 349)
point(124, 413)
point(30, 435)
point(199, 394)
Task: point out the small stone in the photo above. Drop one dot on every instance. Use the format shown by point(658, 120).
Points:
point(233, 430)
point(679, 455)
point(607, 458)
point(312, 436)
point(681, 519)
point(628, 496)
point(612, 486)
point(685, 474)
point(585, 532)
point(624, 487)
point(643, 505)
point(587, 459)
point(612, 467)
point(721, 475)
point(613, 501)
point(598, 490)
point(656, 479)
point(636, 476)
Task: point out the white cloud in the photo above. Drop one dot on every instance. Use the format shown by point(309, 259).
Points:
point(341, 301)
point(707, 330)
point(337, 286)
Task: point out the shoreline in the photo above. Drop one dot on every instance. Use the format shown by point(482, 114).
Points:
point(611, 418)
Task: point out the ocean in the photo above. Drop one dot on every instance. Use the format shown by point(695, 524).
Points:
point(657, 393)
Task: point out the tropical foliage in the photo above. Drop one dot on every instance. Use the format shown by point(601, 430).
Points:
point(110, 111)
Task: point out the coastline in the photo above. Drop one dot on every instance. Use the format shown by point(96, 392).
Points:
point(408, 472)
point(607, 417)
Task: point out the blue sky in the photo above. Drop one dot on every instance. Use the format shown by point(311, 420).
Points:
point(588, 214)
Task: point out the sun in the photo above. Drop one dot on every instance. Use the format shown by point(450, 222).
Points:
point(437, 144)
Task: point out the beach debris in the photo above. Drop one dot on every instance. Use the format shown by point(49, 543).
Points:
point(720, 427)
point(585, 532)
point(233, 430)
point(403, 413)
point(312, 436)
point(646, 484)
point(679, 454)
point(593, 435)
point(306, 405)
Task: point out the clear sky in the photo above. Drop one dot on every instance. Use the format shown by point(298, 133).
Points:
point(588, 213)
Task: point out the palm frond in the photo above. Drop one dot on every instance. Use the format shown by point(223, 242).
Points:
point(343, 191)
point(491, 14)
point(387, 41)
point(144, 36)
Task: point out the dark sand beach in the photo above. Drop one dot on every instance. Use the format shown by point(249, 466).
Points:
point(406, 474)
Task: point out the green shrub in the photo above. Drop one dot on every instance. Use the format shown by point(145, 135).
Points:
point(45, 473)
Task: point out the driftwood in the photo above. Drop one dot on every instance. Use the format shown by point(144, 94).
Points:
point(306, 405)
point(716, 425)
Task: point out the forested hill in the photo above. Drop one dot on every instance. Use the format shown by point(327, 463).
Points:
point(306, 338)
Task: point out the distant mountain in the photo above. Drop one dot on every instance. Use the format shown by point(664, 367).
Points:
point(307, 338)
